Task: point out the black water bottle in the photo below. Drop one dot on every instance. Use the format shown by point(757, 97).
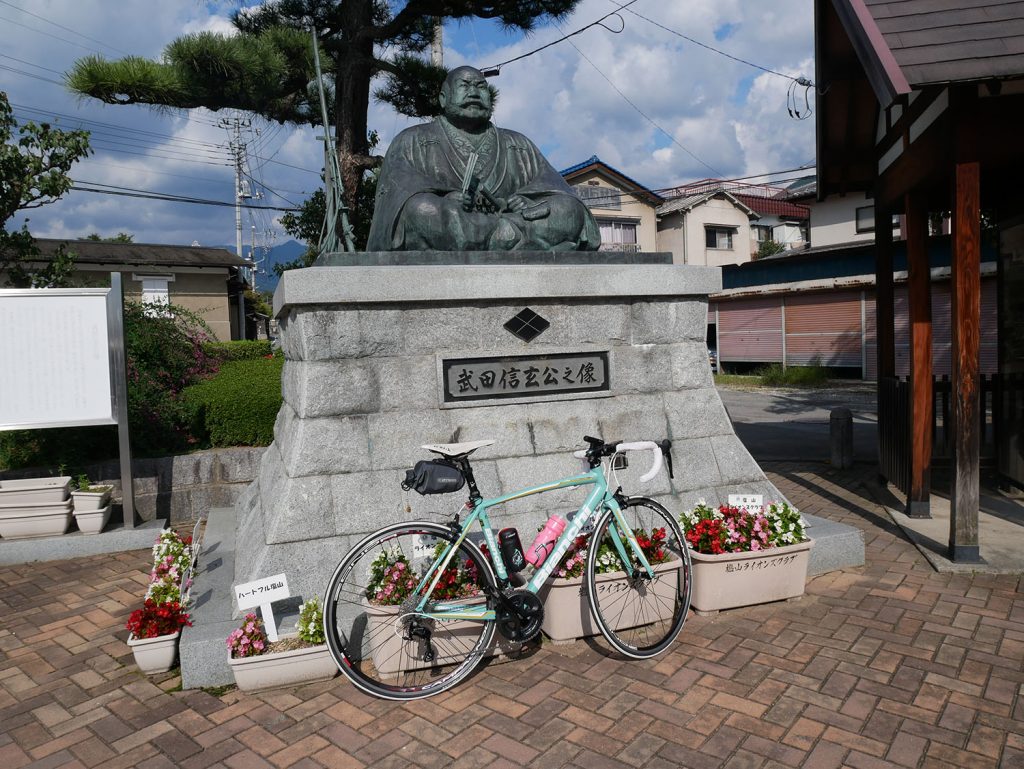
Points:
point(511, 550)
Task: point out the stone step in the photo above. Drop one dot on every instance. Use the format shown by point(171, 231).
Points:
point(837, 546)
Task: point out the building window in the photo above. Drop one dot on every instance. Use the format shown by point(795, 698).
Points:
point(594, 195)
point(618, 235)
point(719, 237)
point(155, 293)
point(762, 232)
point(866, 219)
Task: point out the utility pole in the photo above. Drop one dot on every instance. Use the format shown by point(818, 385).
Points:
point(236, 124)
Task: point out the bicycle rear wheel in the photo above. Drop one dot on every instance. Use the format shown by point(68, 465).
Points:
point(373, 631)
point(639, 615)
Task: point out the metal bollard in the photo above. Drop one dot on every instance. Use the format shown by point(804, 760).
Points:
point(840, 423)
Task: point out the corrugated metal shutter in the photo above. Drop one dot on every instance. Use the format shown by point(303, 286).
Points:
point(825, 327)
point(750, 330)
point(942, 339)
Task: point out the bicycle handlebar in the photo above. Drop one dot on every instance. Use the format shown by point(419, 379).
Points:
point(600, 449)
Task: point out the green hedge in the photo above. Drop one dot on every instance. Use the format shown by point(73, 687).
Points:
point(238, 406)
point(238, 350)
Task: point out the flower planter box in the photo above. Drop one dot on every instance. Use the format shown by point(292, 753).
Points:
point(35, 491)
point(396, 655)
point(567, 611)
point(86, 501)
point(34, 520)
point(92, 521)
point(297, 666)
point(730, 580)
point(155, 655)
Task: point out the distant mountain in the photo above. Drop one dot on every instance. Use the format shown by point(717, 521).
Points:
point(266, 280)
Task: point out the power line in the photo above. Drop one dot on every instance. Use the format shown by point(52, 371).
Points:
point(61, 26)
point(643, 114)
point(150, 195)
point(48, 34)
point(799, 80)
point(37, 66)
point(496, 68)
point(30, 74)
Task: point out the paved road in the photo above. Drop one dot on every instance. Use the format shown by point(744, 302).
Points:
point(794, 424)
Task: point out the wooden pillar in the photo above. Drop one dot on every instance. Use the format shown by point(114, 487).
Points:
point(966, 323)
point(885, 321)
point(919, 291)
point(885, 329)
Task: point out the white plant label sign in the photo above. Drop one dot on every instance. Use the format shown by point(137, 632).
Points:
point(262, 593)
point(423, 545)
point(752, 502)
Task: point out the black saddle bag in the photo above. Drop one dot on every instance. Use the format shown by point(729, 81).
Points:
point(434, 476)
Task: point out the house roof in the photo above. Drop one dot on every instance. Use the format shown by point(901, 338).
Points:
point(141, 254)
point(908, 44)
point(594, 163)
point(688, 202)
point(774, 206)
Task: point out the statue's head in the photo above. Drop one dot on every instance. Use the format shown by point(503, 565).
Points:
point(466, 97)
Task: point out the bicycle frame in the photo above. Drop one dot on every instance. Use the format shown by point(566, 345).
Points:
point(598, 499)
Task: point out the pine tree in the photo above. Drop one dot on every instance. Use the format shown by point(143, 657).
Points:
point(268, 67)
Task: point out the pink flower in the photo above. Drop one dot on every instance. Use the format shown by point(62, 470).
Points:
point(755, 545)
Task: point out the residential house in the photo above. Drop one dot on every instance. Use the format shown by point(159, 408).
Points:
point(710, 227)
point(203, 280)
point(837, 219)
point(624, 208)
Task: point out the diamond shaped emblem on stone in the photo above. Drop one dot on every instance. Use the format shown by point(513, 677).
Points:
point(527, 325)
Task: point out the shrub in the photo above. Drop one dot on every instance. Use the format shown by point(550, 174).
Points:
point(311, 622)
point(239, 405)
point(238, 350)
point(813, 375)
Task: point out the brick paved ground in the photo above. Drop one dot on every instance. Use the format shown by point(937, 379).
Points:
point(889, 665)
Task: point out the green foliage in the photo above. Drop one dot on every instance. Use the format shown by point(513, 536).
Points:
point(311, 622)
point(239, 405)
point(813, 375)
point(242, 349)
point(34, 170)
point(121, 237)
point(769, 248)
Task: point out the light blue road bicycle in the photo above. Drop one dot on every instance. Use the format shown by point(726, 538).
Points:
point(414, 607)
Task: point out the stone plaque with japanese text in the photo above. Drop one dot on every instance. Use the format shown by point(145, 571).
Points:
point(524, 376)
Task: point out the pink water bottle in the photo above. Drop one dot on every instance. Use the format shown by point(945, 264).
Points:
point(545, 541)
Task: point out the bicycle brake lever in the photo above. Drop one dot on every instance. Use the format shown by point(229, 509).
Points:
point(666, 452)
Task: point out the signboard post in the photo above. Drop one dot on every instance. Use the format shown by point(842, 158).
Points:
point(262, 593)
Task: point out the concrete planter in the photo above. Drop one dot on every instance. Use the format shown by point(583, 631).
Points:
point(86, 501)
point(396, 655)
point(297, 666)
point(155, 655)
point(34, 520)
point(742, 579)
point(35, 491)
point(567, 613)
point(92, 521)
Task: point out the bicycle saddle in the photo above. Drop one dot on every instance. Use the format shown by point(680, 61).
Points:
point(456, 449)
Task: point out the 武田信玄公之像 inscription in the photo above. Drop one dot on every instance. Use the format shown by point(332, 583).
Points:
point(524, 376)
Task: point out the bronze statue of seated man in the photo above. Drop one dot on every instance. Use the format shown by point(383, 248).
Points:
point(461, 184)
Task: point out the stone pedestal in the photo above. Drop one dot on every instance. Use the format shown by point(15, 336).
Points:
point(365, 348)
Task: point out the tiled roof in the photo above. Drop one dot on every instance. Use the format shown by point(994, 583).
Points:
point(141, 254)
point(687, 202)
point(922, 42)
point(774, 206)
point(594, 160)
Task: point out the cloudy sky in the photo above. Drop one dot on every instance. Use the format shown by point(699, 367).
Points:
point(658, 107)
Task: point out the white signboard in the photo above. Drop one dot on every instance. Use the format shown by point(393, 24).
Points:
point(55, 353)
point(262, 593)
point(752, 502)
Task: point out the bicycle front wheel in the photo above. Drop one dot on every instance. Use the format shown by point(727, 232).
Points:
point(376, 634)
point(640, 615)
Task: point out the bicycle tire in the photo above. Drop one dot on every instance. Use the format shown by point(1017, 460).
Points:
point(639, 617)
point(373, 646)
